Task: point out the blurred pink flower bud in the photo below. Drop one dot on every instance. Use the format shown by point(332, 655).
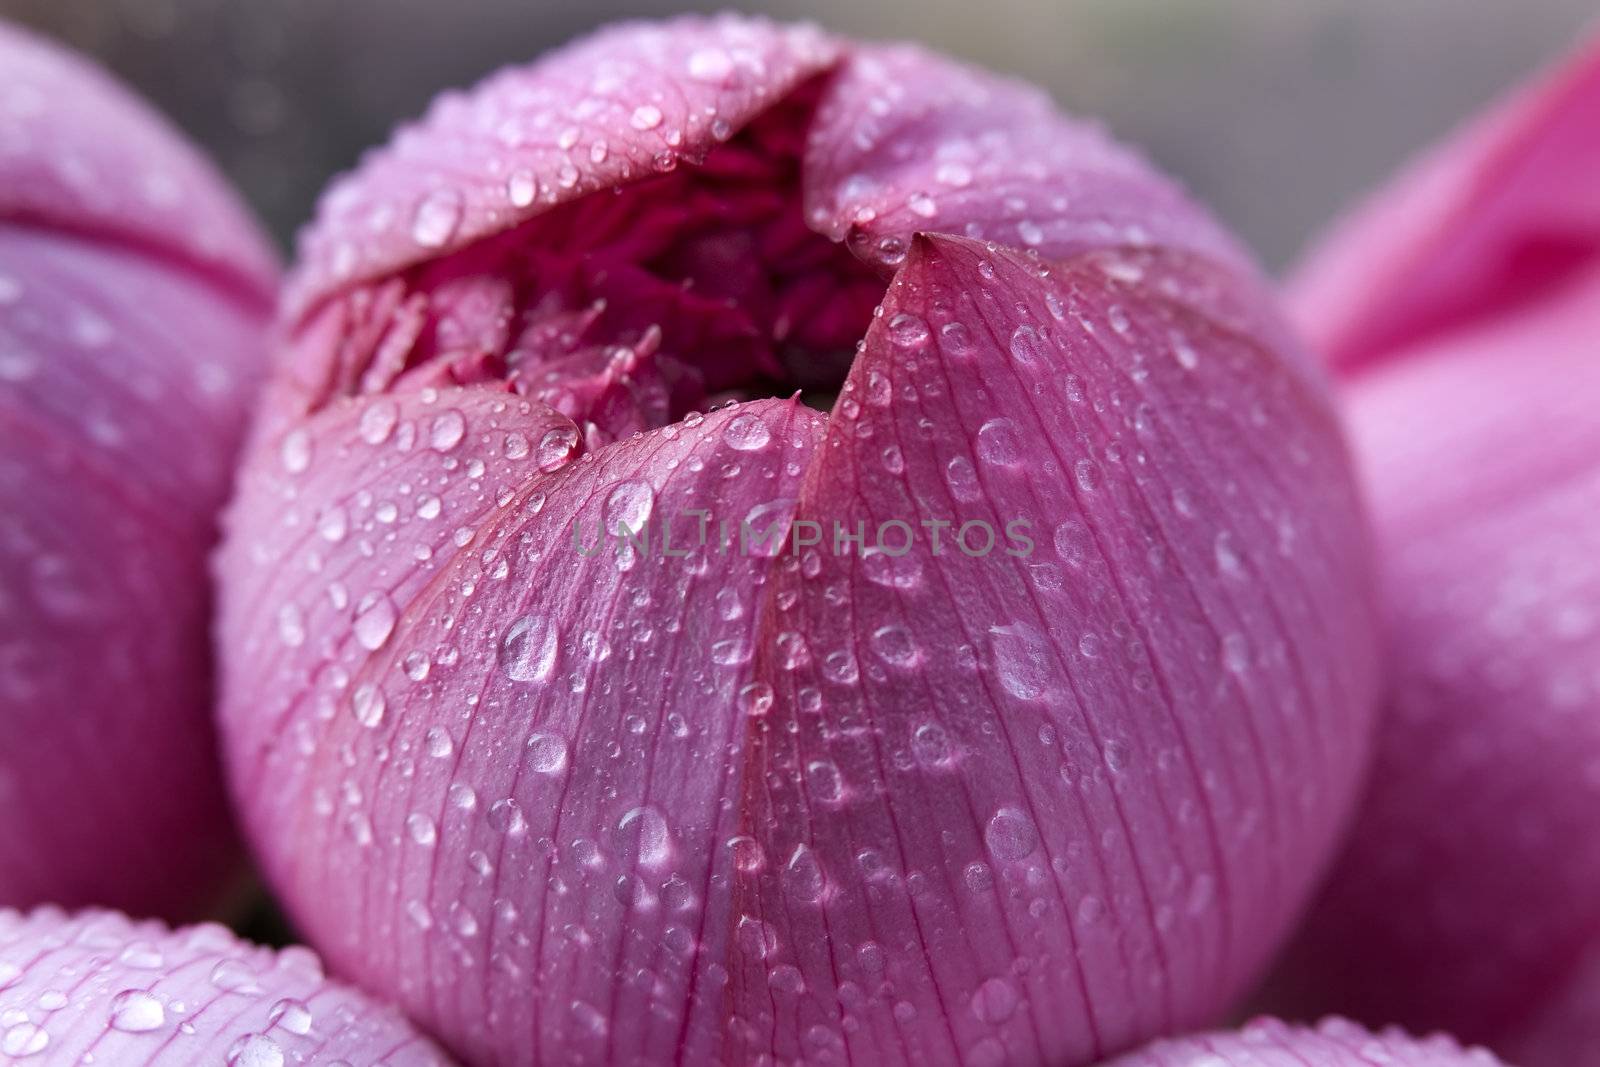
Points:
point(134, 295)
point(98, 987)
point(1463, 306)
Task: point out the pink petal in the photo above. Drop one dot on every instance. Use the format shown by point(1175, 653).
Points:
point(1502, 214)
point(79, 153)
point(127, 362)
point(615, 107)
point(562, 731)
point(1466, 898)
point(907, 141)
point(1084, 788)
point(1334, 1043)
point(98, 987)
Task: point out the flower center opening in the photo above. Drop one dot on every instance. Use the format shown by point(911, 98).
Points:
point(627, 310)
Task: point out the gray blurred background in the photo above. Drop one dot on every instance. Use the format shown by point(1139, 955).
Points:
point(1275, 111)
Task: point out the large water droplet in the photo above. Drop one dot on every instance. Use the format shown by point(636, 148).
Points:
point(1010, 835)
point(136, 1011)
point(1021, 660)
point(747, 433)
point(528, 649)
point(375, 619)
point(995, 1001)
point(645, 837)
point(437, 216)
point(546, 754)
point(255, 1050)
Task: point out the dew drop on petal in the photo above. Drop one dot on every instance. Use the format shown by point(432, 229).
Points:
point(1010, 835)
point(528, 649)
point(436, 218)
point(135, 1011)
point(747, 433)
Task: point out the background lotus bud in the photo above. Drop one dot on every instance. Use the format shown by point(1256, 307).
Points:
point(572, 798)
point(134, 293)
point(1334, 1043)
point(98, 987)
point(1463, 305)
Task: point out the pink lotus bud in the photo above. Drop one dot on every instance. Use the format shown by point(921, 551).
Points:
point(1334, 1043)
point(1463, 306)
point(134, 293)
point(1004, 714)
point(98, 987)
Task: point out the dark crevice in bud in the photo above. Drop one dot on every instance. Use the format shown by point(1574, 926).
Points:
point(626, 310)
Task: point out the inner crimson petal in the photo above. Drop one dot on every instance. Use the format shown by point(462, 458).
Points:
point(626, 310)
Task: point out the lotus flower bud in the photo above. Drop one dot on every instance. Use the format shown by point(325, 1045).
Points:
point(1461, 307)
point(134, 296)
point(98, 987)
point(598, 699)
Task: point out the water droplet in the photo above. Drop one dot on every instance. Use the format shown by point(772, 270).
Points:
point(895, 646)
point(1030, 233)
point(234, 976)
point(448, 428)
point(1000, 442)
point(369, 703)
point(505, 817)
point(291, 1015)
point(802, 875)
point(628, 505)
point(645, 837)
point(136, 1011)
point(1010, 835)
point(291, 625)
point(295, 451)
point(908, 330)
point(747, 433)
point(1184, 352)
point(378, 421)
point(375, 619)
point(962, 479)
point(930, 744)
point(646, 117)
point(24, 1039)
point(422, 829)
point(1229, 563)
point(1021, 660)
point(546, 754)
point(995, 1001)
point(1236, 653)
point(711, 65)
point(1026, 346)
point(255, 1050)
point(522, 188)
point(437, 216)
point(528, 649)
point(438, 742)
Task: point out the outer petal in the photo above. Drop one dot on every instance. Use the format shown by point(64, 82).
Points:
point(1502, 214)
point(1035, 803)
point(907, 141)
point(1482, 460)
point(128, 351)
point(1334, 1043)
point(522, 779)
point(619, 105)
point(98, 987)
